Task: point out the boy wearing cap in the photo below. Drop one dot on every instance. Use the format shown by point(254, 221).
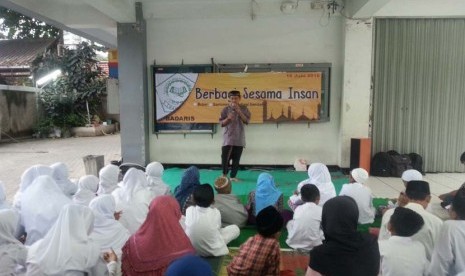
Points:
point(231, 209)
point(304, 230)
point(407, 176)
point(400, 254)
point(260, 254)
point(361, 194)
point(418, 194)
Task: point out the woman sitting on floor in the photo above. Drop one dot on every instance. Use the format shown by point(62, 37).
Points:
point(67, 249)
point(344, 250)
point(158, 242)
point(183, 193)
point(266, 195)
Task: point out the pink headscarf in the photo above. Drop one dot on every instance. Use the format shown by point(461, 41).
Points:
point(158, 242)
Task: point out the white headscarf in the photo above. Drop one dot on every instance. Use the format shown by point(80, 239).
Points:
point(134, 180)
point(410, 175)
point(41, 204)
point(12, 252)
point(61, 176)
point(108, 232)
point(27, 178)
point(154, 172)
point(87, 189)
point(67, 246)
point(360, 175)
point(318, 174)
point(108, 179)
point(133, 198)
point(3, 203)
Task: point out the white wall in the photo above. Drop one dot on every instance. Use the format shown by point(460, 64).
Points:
point(356, 98)
point(283, 39)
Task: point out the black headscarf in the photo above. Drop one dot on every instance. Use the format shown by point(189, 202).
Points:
point(344, 250)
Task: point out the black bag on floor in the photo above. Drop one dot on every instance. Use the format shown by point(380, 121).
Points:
point(381, 164)
point(399, 164)
point(417, 162)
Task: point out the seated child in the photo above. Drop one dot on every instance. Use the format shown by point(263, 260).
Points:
point(448, 255)
point(305, 228)
point(407, 176)
point(361, 194)
point(400, 255)
point(231, 209)
point(203, 225)
point(260, 254)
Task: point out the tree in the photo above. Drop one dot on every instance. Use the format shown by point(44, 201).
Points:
point(19, 26)
point(65, 100)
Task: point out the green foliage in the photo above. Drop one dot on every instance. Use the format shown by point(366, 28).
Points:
point(20, 26)
point(44, 127)
point(64, 100)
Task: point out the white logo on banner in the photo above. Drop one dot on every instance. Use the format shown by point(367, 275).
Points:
point(171, 91)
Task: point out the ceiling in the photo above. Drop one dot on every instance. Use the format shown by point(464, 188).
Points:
point(97, 19)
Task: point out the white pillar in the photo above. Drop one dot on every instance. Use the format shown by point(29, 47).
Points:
point(356, 95)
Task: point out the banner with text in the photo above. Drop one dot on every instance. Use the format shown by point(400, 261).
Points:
point(270, 97)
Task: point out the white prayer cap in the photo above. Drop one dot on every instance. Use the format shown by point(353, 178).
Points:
point(410, 175)
point(359, 175)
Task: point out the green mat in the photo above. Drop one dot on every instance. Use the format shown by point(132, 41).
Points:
point(286, 181)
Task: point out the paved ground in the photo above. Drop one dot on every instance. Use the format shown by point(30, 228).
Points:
point(17, 157)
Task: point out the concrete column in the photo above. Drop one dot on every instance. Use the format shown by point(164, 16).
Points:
point(132, 71)
point(356, 95)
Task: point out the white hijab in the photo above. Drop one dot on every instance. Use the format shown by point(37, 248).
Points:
point(61, 176)
point(3, 203)
point(154, 172)
point(87, 189)
point(27, 178)
point(108, 232)
point(318, 175)
point(133, 198)
point(108, 179)
point(12, 252)
point(67, 246)
point(42, 202)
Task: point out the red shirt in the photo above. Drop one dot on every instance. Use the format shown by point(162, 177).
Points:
point(257, 256)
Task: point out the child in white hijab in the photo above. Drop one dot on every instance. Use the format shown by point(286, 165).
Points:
point(27, 178)
point(107, 232)
point(61, 176)
point(108, 179)
point(67, 249)
point(12, 253)
point(41, 204)
point(154, 172)
point(87, 190)
point(318, 175)
point(133, 199)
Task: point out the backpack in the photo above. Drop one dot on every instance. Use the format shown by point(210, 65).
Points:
point(417, 162)
point(399, 164)
point(380, 164)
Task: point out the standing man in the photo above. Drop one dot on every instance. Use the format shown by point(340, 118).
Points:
point(232, 119)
